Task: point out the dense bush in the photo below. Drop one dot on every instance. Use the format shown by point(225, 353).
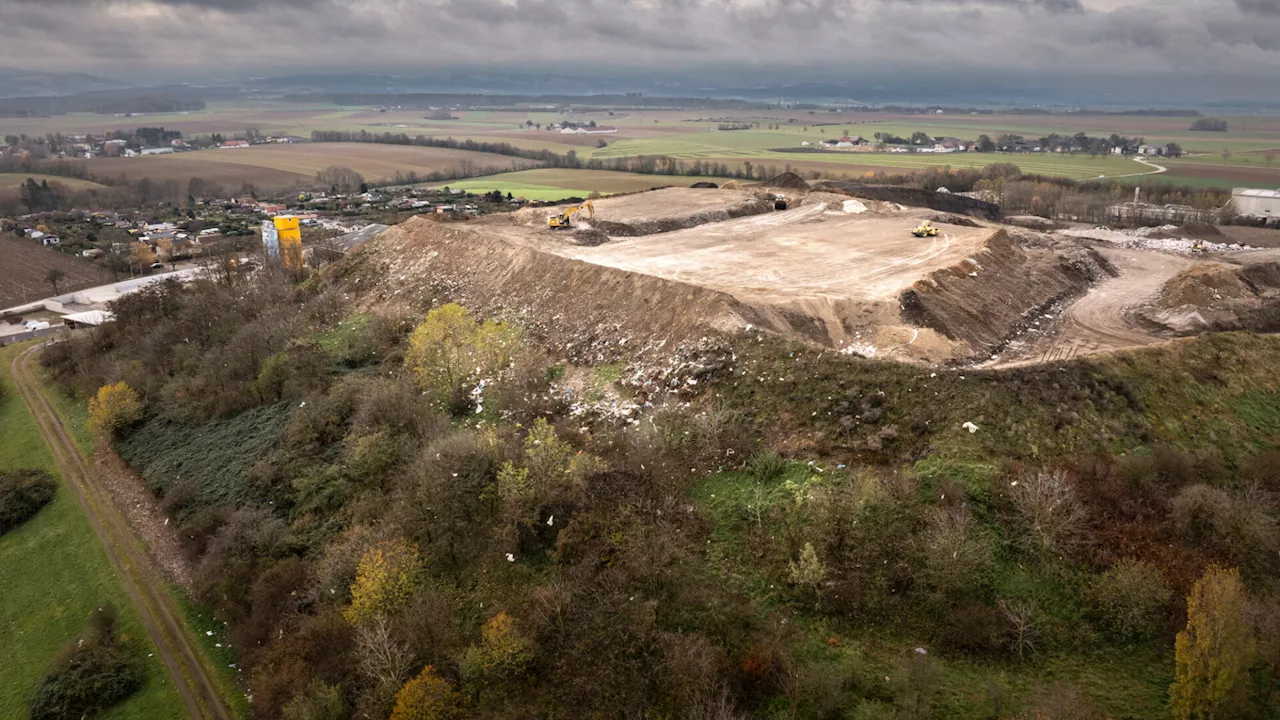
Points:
point(22, 494)
point(113, 407)
point(352, 526)
point(1130, 599)
point(91, 674)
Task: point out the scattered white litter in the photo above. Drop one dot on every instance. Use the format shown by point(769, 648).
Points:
point(914, 334)
point(859, 349)
point(970, 427)
point(511, 558)
point(854, 207)
point(551, 520)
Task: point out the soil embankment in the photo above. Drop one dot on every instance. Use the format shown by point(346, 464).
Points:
point(1215, 297)
point(585, 311)
point(987, 298)
point(916, 197)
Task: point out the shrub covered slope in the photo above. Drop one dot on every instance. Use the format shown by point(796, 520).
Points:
point(420, 514)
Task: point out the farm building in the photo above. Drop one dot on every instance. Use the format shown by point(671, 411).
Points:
point(1255, 203)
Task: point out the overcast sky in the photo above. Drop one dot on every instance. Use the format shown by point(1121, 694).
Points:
point(150, 39)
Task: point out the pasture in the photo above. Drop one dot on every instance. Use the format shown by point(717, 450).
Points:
point(284, 166)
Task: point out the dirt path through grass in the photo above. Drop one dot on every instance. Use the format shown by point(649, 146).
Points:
point(141, 580)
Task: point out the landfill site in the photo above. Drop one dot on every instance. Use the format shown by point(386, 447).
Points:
point(890, 273)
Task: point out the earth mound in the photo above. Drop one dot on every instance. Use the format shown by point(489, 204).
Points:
point(790, 181)
point(916, 197)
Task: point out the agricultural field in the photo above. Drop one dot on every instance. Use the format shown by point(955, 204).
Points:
point(284, 166)
point(13, 180)
point(555, 184)
point(1223, 159)
point(25, 263)
point(55, 573)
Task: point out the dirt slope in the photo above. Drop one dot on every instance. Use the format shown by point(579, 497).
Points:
point(23, 264)
point(657, 211)
point(1212, 296)
point(983, 300)
point(585, 311)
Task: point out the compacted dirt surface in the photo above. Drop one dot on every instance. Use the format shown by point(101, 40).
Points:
point(809, 251)
point(661, 270)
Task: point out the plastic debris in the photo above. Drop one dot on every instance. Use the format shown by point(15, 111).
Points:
point(970, 427)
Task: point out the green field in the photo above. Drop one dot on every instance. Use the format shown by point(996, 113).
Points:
point(557, 184)
point(692, 135)
point(53, 574)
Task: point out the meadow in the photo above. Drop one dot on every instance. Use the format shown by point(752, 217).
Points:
point(54, 573)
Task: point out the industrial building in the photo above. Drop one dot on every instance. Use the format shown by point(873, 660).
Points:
point(1257, 204)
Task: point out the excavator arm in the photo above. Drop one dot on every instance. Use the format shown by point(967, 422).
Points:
point(564, 219)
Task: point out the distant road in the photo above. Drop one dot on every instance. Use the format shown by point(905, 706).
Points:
point(1158, 169)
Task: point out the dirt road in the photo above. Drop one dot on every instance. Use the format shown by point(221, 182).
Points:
point(143, 583)
point(1100, 320)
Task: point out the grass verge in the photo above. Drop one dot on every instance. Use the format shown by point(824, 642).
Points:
point(53, 574)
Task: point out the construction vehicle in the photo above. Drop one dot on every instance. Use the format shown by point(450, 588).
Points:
point(779, 202)
point(565, 219)
point(925, 230)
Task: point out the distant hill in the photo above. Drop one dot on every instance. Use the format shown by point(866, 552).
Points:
point(23, 83)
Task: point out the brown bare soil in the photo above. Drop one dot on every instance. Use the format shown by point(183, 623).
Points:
point(828, 271)
point(24, 266)
point(1213, 296)
point(281, 166)
point(833, 271)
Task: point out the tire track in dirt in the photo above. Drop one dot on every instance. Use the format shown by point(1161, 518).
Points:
point(144, 585)
point(1100, 320)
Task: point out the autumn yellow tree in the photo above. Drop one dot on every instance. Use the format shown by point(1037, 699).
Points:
point(113, 407)
point(385, 579)
point(1216, 649)
point(427, 697)
point(164, 249)
point(140, 255)
point(504, 650)
point(449, 350)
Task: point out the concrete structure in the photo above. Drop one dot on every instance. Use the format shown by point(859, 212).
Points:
point(1257, 204)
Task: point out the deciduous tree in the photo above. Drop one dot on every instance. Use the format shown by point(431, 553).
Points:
point(448, 349)
point(427, 697)
point(53, 277)
point(1216, 649)
point(113, 407)
point(385, 579)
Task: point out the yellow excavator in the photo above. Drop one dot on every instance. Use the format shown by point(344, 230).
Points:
point(925, 230)
point(564, 219)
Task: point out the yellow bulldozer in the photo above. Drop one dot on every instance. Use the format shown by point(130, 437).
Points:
point(565, 219)
point(925, 230)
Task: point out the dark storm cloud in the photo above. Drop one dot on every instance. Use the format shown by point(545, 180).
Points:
point(1260, 7)
point(1050, 37)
